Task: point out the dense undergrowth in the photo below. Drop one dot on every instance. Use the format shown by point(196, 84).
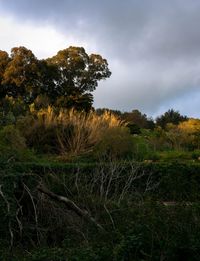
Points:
point(148, 211)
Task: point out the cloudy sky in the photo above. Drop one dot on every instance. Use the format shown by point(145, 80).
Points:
point(152, 46)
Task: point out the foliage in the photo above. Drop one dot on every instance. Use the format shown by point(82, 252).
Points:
point(65, 132)
point(139, 119)
point(137, 227)
point(12, 138)
point(135, 119)
point(67, 78)
point(13, 145)
point(190, 126)
point(170, 116)
point(116, 142)
point(196, 154)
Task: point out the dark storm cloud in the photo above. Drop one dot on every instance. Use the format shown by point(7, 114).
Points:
point(152, 46)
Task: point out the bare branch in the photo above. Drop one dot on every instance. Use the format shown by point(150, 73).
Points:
point(71, 205)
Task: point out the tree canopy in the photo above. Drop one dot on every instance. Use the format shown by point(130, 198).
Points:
point(66, 79)
point(170, 116)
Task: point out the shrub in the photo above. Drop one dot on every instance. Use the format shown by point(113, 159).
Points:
point(13, 145)
point(65, 132)
point(116, 142)
point(11, 137)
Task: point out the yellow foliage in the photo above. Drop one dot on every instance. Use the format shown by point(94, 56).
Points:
point(190, 126)
point(75, 132)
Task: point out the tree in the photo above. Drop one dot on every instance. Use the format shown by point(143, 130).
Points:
point(77, 75)
point(100, 111)
point(135, 120)
point(138, 120)
point(21, 75)
point(67, 79)
point(171, 116)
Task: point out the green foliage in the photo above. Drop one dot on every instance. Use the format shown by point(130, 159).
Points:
point(12, 138)
point(67, 78)
point(157, 232)
point(134, 128)
point(196, 154)
point(11, 109)
point(139, 119)
point(174, 155)
point(53, 254)
point(170, 116)
point(117, 143)
point(13, 145)
point(142, 148)
point(136, 228)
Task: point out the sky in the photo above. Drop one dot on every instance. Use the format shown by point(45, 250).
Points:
point(152, 46)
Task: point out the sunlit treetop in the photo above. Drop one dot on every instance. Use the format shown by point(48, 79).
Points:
point(68, 78)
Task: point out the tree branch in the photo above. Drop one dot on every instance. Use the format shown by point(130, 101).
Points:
point(70, 205)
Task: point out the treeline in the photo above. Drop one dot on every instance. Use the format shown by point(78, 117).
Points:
point(137, 120)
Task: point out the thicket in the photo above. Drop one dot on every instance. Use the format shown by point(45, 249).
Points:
point(135, 211)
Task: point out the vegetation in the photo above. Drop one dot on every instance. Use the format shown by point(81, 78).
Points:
point(83, 184)
point(66, 79)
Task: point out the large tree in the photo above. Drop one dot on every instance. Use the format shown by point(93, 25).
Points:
point(77, 75)
point(67, 79)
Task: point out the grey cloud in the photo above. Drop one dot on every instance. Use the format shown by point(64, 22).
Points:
point(152, 46)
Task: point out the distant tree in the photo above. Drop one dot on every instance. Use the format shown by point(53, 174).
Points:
point(101, 111)
point(171, 116)
point(135, 120)
point(138, 120)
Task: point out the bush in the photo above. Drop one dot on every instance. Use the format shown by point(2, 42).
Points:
point(116, 143)
point(143, 150)
point(13, 145)
point(11, 137)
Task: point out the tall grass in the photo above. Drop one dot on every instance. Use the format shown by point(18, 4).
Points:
point(69, 131)
point(85, 129)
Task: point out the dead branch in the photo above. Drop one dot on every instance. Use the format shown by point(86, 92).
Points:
point(70, 205)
